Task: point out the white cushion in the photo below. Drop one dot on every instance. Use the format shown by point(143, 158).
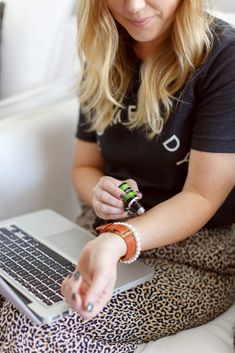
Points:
point(41, 96)
point(224, 5)
point(36, 152)
point(32, 40)
point(214, 337)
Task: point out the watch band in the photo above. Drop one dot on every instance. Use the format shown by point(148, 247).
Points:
point(126, 233)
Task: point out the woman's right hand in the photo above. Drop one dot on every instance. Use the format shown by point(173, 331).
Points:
point(107, 198)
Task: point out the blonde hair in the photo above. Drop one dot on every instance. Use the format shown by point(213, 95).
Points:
point(106, 57)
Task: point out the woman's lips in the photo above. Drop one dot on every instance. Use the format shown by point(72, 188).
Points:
point(142, 22)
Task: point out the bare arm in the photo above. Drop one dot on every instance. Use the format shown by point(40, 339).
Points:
point(87, 169)
point(211, 177)
point(89, 179)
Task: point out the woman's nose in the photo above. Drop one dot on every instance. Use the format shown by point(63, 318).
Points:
point(134, 6)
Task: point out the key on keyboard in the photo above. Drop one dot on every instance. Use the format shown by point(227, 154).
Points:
point(32, 264)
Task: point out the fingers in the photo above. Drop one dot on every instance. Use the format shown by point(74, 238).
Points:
point(133, 184)
point(88, 299)
point(106, 200)
point(97, 296)
point(111, 186)
point(108, 212)
point(140, 195)
point(134, 187)
point(70, 289)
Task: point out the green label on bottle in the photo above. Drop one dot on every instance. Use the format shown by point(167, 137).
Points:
point(129, 192)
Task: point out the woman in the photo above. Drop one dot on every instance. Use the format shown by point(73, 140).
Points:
point(158, 106)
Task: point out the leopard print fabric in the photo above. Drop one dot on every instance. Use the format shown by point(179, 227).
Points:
point(194, 282)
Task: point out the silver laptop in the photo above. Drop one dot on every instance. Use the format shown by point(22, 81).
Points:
point(37, 251)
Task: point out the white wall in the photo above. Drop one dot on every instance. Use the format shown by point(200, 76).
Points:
point(224, 5)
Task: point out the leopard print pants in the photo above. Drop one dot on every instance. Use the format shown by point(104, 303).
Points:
point(194, 282)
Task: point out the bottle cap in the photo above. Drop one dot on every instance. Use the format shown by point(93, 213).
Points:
point(140, 211)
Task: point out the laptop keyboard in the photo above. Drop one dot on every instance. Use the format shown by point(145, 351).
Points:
point(32, 264)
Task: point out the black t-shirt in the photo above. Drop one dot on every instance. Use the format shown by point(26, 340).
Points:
point(203, 119)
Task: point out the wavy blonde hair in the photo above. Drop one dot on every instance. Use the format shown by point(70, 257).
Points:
point(106, 56)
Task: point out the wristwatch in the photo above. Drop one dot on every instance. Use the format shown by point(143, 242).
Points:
point(126, 233)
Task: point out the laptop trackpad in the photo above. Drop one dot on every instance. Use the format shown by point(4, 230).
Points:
point(70, 242)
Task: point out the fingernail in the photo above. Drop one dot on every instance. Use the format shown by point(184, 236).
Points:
point(76, 275)
point(74, 297)
point(89, 307)
point(123, 197)
point(85, 320)
point(130, 213)
point(140, 194)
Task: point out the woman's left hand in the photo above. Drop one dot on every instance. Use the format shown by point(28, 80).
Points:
point(91, 287)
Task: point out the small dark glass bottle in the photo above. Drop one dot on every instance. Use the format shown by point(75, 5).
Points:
point(131, 199)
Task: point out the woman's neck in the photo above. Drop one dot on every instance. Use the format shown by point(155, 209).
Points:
point(144, 50)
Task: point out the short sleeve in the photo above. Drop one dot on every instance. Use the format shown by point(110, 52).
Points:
point(83, 132)
point(214, 124)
